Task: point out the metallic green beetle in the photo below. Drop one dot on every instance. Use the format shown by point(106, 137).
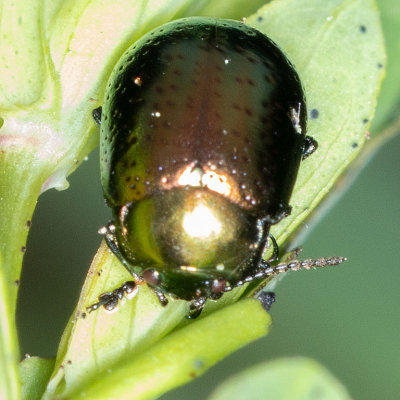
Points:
point(202, 133)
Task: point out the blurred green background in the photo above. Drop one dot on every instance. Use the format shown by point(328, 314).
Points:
point(347, 318)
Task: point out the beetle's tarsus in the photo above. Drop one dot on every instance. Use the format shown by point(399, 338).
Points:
point(266, 299)
point(196, 307)
point(161, 297)
point(309, 147)
point(110, 300)
point(96, 115)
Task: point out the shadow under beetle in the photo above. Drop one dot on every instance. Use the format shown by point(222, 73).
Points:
point(203, 128)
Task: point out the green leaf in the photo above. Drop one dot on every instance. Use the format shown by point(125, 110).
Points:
point(285, 379)
point(20, 41)
point(107, 355)
point(389, 99)
point(184, 354)
point(235, 9)
point(337, 48)
point(95, 342)
point(35, 373)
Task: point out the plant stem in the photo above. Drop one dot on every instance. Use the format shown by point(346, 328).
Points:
point(9, 383)
point(21, 178)
point(20, 184)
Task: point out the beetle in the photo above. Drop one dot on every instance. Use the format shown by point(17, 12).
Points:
point(203, 128)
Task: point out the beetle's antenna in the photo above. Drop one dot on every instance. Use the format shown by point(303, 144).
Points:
point(267, 270)
point(296, 265)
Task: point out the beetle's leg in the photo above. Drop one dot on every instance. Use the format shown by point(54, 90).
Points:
point(275, 254)
point(309, 146)
point(108, 232)
point(161, 297)
point(196, 307)
point(110, 300)
point(96, 115)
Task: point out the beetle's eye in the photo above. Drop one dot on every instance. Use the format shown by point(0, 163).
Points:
point(188, 229)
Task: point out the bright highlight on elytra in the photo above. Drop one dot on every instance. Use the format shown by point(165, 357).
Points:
point(195, 177)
